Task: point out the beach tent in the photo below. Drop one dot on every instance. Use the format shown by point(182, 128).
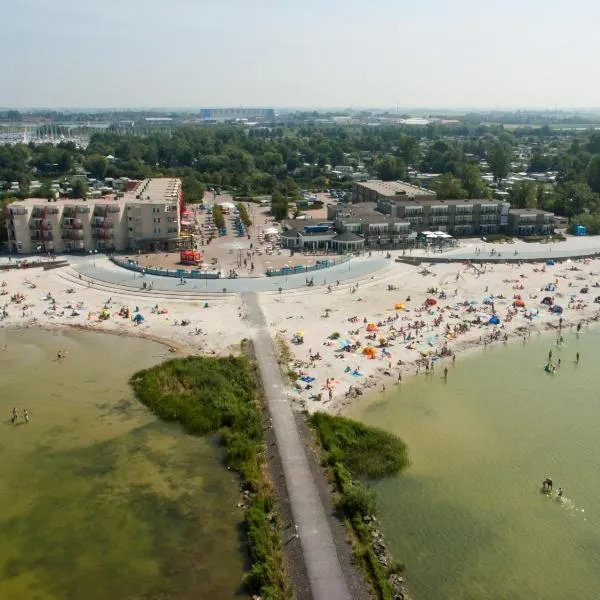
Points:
point(547, 300)
point(399, 306)
point(369, 352)
point(519, 303)
point(371, 327)
point(495, 320)
point(556, 309)
point(550, 262)
point(430, 301)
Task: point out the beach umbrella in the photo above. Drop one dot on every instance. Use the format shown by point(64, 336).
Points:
point(550, 262)
point(431, 301)
point(299, 333)
point(494, 321)
point(556, 309)
point(371, 327)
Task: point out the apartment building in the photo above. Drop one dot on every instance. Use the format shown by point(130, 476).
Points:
point(375, 190)
point(530, 221)
point(395, 219)
point(146, 218)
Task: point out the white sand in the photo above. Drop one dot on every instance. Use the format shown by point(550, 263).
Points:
point(373, 302)
point(221, 327)
point(223, 323)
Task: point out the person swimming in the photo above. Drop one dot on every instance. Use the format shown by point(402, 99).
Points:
point(547, 485)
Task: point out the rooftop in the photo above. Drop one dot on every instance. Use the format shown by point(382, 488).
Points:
point(529, 211)
point(394, 188)
point(164, 189)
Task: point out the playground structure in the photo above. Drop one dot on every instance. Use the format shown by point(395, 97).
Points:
point(190, 257)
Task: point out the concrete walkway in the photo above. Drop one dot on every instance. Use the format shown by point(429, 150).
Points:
point(324, 570)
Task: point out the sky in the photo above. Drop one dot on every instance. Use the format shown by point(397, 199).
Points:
point(309, 53)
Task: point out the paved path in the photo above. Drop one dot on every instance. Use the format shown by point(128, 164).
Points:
point(104, 270)
point(324, 570)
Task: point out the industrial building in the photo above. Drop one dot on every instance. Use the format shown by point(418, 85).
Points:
point(145, 218)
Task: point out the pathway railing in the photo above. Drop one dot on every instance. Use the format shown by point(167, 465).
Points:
point(133, 265)
point(324, 263)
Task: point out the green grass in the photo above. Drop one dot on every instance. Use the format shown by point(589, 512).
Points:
point(353, 451)
point(364, 451)
point(218, 395)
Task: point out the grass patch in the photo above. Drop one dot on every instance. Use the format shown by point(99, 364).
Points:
point(218, 395)
point(557, 237)
point(364, 451)
point(353, 451)
point(284, 358)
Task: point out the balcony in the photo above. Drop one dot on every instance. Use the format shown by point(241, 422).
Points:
point(37, 224)
point(36, 237)
point(101, 233)
point(463, 218)
point(72, 224)
point(72, 235)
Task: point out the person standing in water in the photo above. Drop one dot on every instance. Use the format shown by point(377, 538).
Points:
point(577, 358)
point(26, 415)
point(560, 492)
point(445, 373)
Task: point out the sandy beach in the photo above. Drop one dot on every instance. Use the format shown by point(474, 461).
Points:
point(360, 336)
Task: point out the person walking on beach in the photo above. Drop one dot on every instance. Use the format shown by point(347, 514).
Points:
point(15, 415)
point(26, 415)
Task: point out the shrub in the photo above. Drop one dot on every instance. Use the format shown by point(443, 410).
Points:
point(356, 500)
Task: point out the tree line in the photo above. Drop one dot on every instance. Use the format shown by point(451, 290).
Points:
point(284, 159)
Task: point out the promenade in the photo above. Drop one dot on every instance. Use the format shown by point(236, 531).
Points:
point(325, 573)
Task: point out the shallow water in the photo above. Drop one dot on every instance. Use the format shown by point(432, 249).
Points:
point(98, 499)
point(468, 516)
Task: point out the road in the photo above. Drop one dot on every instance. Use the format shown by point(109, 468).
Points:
point(325, 573)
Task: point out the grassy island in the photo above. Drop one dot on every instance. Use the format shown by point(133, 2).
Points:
point(218, 396)
point(352, 453)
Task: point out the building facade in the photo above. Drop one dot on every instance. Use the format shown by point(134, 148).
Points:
point(146, 218)
point(530, 221)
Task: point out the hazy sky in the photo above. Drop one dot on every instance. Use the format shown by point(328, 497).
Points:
point(317, 53)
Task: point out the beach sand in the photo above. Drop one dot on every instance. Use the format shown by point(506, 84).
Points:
point(317, 313)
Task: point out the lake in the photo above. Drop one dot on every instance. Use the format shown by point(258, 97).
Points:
point(99, 499)
point(468, 516)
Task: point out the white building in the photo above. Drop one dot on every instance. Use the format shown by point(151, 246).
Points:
point(144, 218)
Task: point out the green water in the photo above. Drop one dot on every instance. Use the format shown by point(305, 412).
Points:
point(98, 499)
point(468, 516)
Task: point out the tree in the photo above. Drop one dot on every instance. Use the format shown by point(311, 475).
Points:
point(193, 190)
point(79, 188)
point(448, 187)
point(279, 206)
point(95, 165)
point(472, 182)
point(390, 168)
point(523, 194)
point(592, 173)
point(498, 158)
point(572, 198)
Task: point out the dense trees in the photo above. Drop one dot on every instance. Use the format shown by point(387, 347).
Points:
point(498, 158)
point(280, 160)
point(279, 205)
